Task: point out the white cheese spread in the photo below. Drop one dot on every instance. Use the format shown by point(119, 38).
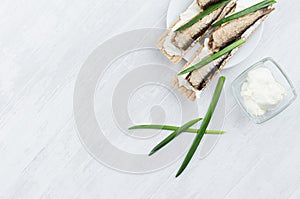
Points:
point(170, 48)
point(261, 92)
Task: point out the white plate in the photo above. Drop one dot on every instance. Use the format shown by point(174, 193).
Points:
point(178, 6)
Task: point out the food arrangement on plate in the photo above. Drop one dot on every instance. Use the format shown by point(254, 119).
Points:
point(194, 24)
point(221, 27)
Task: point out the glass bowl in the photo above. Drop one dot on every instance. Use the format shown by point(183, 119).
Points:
point(279, 76)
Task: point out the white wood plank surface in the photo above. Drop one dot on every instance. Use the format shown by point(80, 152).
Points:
point(43, 44)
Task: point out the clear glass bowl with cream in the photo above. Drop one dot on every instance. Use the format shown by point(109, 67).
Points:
point(263, 90)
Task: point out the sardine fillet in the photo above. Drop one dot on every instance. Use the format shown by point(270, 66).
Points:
point(228, 33)
point(183, 39)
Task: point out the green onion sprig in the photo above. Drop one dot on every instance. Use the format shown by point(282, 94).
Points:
point(213, 57)
point(203, 126)
point(174, 128)
point(244, 12)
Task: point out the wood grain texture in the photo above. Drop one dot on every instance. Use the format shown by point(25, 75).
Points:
point(42, 47)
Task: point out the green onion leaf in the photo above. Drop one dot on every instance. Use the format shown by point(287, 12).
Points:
point(213, 57)
point(173, 128)
point(203, 126)
point(246, 11)
point(202, 14)
point(173, 135)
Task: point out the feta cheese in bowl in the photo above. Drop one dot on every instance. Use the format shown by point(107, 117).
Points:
point(263, 90)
